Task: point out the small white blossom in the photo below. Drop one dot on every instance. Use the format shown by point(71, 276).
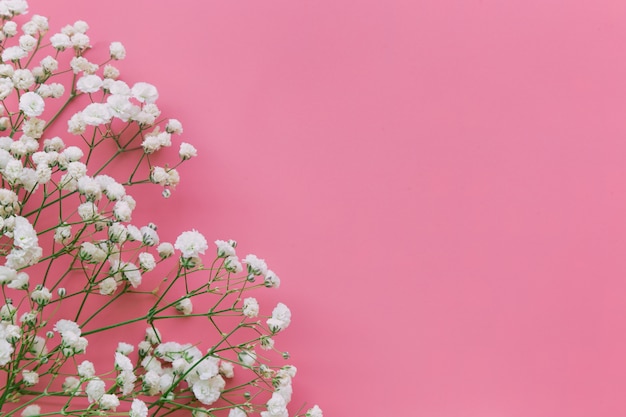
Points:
point(95, 389)
point(138, 409)
point(314, 412)
point(191, 243)
point(31, 410)
point(107, 286)
point(185, 306)
point(89, 83)
point(31, 104)
point(71, 384)
point(144, 92)
point(227, 369)
point(165, 250)
point(86, 370)
point(208, 391)
point(250, 307)
point(30, 378)
point(187, 151)
point(117, 50)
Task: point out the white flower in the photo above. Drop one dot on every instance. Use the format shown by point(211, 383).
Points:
point(107, 286)
point(60, 41)
point(80, 41)
point(208, 391)
point(250, 307)
point(122, 362)
point(122, 211)
point(236, 412)
point(13, 53)
point(110, 72)
point(174, 126)
point(38, 346)
point(247, 357)
point(86, 370)
point(31, 104)
point(281, 318)
point(71, 384)
point(191, 243)
point(185, 306)
point(95, 389)
point(187, 151)
point(6, 87)
point(125, 348)
point(225, 249)
point(149, 235)
point(7, 274)
point(151, 381)
point(9, 28)
point(314, 412)
point(165, 250)
point(276, 406)
point(153, 335)
point(23, 79)
point(232, 264)
point(41, 296)
point(31, 410)
point(96, 114)
point(227, 369)
point(49, 64)
point(89, 83)
point(20, 282)
point(255, 265)
point(117, 50)
point(88, 211)
point(146, 261)
point(5, 352)
point(144, 92)
point(30, 378)
point(138, 409)
point(108, 402)
point(62, 233)
point(27, 42)
point(271, 279)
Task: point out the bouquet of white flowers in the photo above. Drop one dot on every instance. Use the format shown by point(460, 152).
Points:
point(76, 274)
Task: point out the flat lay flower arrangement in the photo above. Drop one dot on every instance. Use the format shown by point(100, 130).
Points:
point(74, 139)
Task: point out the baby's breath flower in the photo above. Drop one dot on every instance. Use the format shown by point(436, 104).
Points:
point(117, 50)
point(31, 410)
point(184, 306)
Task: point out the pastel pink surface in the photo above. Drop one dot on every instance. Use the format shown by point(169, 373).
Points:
point(439, 184)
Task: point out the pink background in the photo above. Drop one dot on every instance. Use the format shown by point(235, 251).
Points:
point(441, 186)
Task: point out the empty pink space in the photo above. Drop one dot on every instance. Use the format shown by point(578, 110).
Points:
point(441, 186)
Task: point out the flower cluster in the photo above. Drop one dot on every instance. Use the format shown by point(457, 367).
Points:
point(74, 141)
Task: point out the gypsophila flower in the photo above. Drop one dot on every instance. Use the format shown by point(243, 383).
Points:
point(184, 306)
point(41, 296)
point(86, 370)
point(30, 378)
point(144, 92)
point(117, 50)
point(165, 250)
point(314, 412)
point(187, 151)
point(247, 357)
point(71, 384)
point(191, 243)
point(236, 412)
point(227, 369)
point(31, 410)
point(95, 389)
point(108, 402)
point(250, 307)
point(138, 409)
point(31, 104)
